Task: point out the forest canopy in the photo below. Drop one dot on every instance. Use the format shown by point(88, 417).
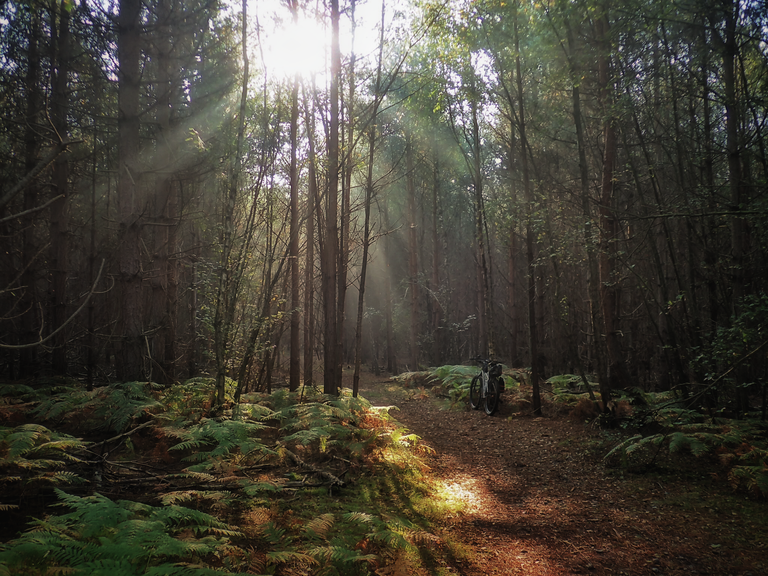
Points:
point(568, 186)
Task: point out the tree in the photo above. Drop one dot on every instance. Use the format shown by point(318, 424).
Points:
point(130, 191)
point(332, 377)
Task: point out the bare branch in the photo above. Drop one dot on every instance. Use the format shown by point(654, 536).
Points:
point(64, 324)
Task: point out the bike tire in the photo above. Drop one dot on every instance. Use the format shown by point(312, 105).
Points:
point(492, 396)
point(475, 392)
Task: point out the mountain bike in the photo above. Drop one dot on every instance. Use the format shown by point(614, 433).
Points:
point(487, 386)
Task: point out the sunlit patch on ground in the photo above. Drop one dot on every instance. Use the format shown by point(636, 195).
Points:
point(462, 490)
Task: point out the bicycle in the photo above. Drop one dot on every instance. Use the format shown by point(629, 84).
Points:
point(487, 386)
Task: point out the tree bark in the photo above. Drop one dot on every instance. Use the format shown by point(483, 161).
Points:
point(530, 241)
point(609, 224)
point(295, 358)
point(59, 215)
point(369, 192)
point(130, 192)
point(313, 210)
point(593, 273)
point(331, 378)
point(413, 256)
point(28, 322)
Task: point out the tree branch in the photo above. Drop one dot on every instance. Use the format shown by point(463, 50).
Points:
point(64, 324)
point(58, 149)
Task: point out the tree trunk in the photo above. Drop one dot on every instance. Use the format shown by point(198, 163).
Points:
point(295, 358)
point(388, 315)
point(313, 209)
point(369, 192)
point(332, 380)
point(609, 225)
point(346, 166)
point(530, 241)
point(593, 274)
point(130, 193)
point(438, 354)
point(59, 219)
point(158, 319)
point(413, 257)
point(29, 321)
point(227, 290)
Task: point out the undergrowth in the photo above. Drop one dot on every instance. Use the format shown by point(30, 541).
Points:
point(735, 449)
point(454, 382)
point(314, 484)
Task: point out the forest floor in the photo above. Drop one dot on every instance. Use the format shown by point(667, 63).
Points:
point(540, 501)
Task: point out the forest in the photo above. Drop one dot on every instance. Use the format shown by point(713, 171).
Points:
point(566, 186)
point(261, 197)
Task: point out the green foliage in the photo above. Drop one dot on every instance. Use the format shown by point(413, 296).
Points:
point(32, 454)
point(736, 344)
point(190, 400)
point(213, 442)
point(384, 512)
point(740, 446)
point(455, 381)
point(19, 392)
point(328, 423)
point(112, 408)
point(101, 536)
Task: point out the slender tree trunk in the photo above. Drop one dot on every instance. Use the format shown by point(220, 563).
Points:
point(729, 47)
point(158, 318)
point(59, 219)
point(369, 192)
point(617, 372)
point(29, 321)
point(331, 379)
point(593, 273)
point(413, 256)
point(438, 354)
point(533, 337)
point(130, 192)
point(295, 358)
point(227, 289)
point(388, 316)
point(309, 267)
point(346, 165)
point(486, 328)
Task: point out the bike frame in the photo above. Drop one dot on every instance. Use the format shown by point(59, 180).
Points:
point(484, 370)
point(481, 384)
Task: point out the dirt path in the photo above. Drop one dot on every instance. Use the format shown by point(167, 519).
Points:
point(540, 504)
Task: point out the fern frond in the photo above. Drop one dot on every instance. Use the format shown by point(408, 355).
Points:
point(286, 556)
point(339, 554)
point(359, 517)
point(319, 526)
point(622, 446)
point(23, 438)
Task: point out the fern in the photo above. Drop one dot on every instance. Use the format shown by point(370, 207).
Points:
point(339, 555)
point(213, 441)
point(101, 536)
point(320, 526)
point(680, 441)
point(33, 454)
point(125, 402)
point(112, 408)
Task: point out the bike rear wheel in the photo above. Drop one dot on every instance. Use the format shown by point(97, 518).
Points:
point(475, 392)
point(492, 396)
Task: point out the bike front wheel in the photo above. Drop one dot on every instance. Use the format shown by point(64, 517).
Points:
point(475, 392)
point(492, 396)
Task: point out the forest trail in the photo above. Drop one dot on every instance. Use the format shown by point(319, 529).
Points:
point(539, 502)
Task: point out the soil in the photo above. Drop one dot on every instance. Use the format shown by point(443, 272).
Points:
point(539, 500)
